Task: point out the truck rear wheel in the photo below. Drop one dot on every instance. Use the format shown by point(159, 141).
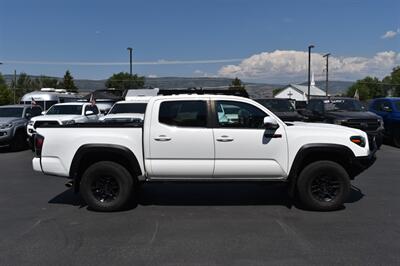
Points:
point(106, 186)
point(323, 186)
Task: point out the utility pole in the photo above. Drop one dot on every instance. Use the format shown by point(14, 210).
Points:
point(309, 70)
point(130, 59)
point(327, 72)
point(15, 83)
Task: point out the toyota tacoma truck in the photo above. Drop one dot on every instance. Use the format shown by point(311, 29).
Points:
point(193, 138)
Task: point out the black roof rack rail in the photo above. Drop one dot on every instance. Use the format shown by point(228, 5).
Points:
point(201, 91)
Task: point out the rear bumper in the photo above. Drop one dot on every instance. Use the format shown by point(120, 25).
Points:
point(36, 164)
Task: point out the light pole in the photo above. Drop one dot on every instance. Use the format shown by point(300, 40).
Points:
point(327, 71)
point(309, 70)
point(130, 59)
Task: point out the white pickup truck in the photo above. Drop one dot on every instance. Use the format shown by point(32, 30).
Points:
point(204, 138)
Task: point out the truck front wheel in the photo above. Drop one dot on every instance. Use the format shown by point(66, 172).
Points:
point(323, 186)
point(106, 186)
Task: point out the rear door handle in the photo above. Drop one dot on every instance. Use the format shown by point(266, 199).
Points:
point(162, 138)
point(224, 138)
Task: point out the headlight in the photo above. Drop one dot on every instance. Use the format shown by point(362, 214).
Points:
point(339, 121)
point(10, 125)
point(31, 123)
point(69, 122)
point(359, 140)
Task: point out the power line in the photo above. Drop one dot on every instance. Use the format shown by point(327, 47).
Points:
point(158, 62)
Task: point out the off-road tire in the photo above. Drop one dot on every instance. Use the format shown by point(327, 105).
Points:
point(323, 186)
point(117, 191)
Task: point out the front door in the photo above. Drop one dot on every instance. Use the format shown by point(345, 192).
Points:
point(243, 147)
point(181, 143)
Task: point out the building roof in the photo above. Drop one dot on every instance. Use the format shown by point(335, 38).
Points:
point(314, 90)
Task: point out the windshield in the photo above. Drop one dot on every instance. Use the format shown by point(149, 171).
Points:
point(343, 105)
point(128, 108)
point(11, 112)
point(278, 105)
point(65, 110)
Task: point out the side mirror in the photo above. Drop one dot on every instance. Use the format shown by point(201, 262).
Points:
point(270, 123)
point(387, 109)
point(87, 113)
point(43, 112)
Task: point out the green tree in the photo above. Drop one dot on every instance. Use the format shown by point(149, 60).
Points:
point(124, 81)
point(368, 88)
point(392, 82)
point(23, 85)
point(46, 82)
point(276, 91)
point(5, 92)
point(68, 82)
point(236, 84)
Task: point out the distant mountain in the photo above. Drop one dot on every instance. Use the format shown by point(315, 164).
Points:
point(255, 90)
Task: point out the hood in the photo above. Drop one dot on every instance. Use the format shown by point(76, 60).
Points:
point(55, 117)
point(118, 116)
point(352, 115)
point(319, 126)
point(289, 116)
point(8, 120)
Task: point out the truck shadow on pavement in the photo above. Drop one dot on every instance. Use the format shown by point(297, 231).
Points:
point(206, 194)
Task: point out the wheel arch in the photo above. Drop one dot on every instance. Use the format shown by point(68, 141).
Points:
point(89, 154)
point(310, 153)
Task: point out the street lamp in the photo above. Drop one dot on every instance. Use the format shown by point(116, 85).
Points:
point(327, 71)
point(309, 70)
point(130, 59)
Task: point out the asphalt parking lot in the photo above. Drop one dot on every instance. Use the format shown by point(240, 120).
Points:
point(43, 223)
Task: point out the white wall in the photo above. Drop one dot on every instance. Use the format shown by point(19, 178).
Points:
point(291, 93)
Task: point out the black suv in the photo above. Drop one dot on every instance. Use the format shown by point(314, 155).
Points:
point(346, 112)
point(283, 108)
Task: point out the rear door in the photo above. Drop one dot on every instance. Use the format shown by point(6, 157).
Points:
point(243, 147)
point(181, 142)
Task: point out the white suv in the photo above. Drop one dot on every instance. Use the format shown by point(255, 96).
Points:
point(64, 113)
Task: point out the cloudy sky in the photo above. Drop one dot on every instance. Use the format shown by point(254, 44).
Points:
point(258, 41)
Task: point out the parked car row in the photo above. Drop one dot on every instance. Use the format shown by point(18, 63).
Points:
point(381, 119)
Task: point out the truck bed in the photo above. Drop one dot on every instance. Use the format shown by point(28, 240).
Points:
point(62, 143)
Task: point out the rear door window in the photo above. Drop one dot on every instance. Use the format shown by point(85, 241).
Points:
point(183, 113)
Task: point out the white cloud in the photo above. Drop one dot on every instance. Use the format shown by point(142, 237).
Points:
point(390, 34)
point(289, 66)
point(152, 76)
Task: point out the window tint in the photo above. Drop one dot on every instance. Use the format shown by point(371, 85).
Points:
point(183, 113)
point(33, 111)
point(239, 115)
point(92, 108)
point(128, 108)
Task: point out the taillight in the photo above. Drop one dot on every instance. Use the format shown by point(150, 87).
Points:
point(39, 140)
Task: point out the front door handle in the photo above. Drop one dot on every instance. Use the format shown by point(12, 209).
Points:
point(224, 138)
point(162, 138)
point(273, 135)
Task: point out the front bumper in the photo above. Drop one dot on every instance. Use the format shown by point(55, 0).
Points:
point(376, 137)
point(6, 136)
point(362, 163)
